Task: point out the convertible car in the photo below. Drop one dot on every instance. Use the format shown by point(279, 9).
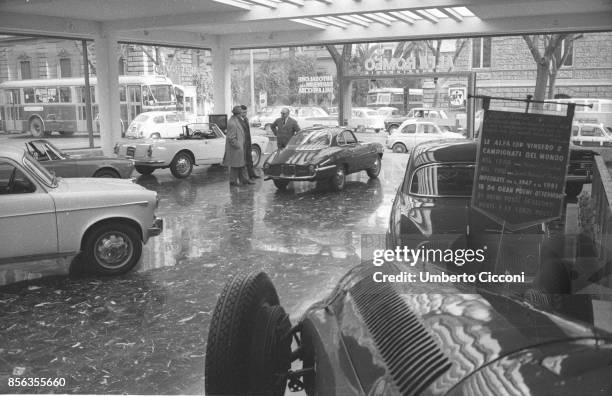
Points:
point(323, 153)
point(199, 144)
point(77, 165)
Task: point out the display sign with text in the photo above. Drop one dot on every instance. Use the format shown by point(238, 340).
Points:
point(315, 84)
point(522, 167)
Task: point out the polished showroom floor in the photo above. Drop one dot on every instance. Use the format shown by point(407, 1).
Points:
point(145, 333)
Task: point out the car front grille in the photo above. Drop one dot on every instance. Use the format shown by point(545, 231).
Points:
point(412, 355)
point(288, 170)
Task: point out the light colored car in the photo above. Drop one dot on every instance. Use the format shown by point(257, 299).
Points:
point(387, 111)
point(203, 145)
point(308, 116)
point(438, 116)
point(590, 135)
point(266, 117)
point(156, 125)
point(363, 118)
point(46, 217)
point(412, 132)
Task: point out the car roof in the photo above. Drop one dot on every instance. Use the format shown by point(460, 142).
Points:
point(333, 130)
point(11, 151)
point(445, 150)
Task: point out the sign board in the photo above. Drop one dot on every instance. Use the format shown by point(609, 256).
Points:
point(408, 65)
point(315, 84)
point(522, 167)
point(457, 96)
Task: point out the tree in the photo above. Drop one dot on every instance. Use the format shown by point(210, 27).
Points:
point(435, 47)
point(549, 51)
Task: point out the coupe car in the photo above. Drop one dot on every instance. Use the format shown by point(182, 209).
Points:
point(412, 132)
point(323, 154)
point(199, 144)
point(78, 165)
point(102, 221)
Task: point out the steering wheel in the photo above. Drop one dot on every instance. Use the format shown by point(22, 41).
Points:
point(11, 183)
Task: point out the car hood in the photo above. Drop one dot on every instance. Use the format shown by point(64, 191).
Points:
point(94, 157)
point(291, 155)
point(428, 337)
point(96, 186)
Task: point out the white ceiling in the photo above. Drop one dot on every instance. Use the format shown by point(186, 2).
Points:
point(265, 23)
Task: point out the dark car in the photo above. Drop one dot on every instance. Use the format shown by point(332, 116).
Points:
point(323, 153)
point(78, 165)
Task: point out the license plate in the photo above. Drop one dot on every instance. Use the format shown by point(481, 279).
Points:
point(130, 152)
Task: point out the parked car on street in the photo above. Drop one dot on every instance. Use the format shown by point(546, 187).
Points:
point(266, 117)
point(389, 328)
point(412, 132)
point(78, 165)
point(590, 135)
point(156, 125)
point(438, 116)
point(323, 153)
point(308, 116)
point(47, 217)
point(364, 118)
point(203, 144)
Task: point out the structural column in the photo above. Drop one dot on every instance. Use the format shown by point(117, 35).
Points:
point(221, 73)
point(107, 89)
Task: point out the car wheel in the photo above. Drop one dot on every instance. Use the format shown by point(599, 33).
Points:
point(231, 331)
point(572, 190)
point(112, 249)
point(37, 128)
point(155, 135)
point(338, 180)
point(399, 148)
point(255, 154)
point(181, 166)
point(107, 173)
point(375, 169)
point(144, 170)
point(392, 129)
point(281, 184)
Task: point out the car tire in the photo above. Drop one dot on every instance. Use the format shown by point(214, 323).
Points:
point(270, 355)
point(281, 184)
point(37, 127)
point(230, 334)
point(338, 180)
point(181, 165)
point(572, 190)
point(399, 148)
point(144, 170)
point(375, 169)
point(255, 154)
point(107, 173)
point(112, 249)
point(155, 135)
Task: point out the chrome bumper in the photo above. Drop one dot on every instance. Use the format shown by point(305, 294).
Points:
point(156, 228)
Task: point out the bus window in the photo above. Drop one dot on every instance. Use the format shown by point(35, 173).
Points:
point(52, 95)
point(65, 96)
point(134, 94)
point(40, 95)
point(28, 95)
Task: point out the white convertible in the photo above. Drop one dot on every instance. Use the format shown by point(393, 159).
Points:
point(200, 144)
point(46, 217)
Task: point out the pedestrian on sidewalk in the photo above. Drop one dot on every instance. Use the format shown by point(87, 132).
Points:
point(234, 157)
point(250, 171)
point(284, 128)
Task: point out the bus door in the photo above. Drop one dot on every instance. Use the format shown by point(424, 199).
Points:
point(134, 102)
point(12, 111)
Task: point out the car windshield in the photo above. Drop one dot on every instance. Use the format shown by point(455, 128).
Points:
point(40, 171)
point(311, 140)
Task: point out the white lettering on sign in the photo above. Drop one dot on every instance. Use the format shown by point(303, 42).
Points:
point(33, 108)
point(315, 84)
point(377, 63)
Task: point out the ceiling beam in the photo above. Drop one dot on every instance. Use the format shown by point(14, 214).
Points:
point(17, 23)
point(422, 29)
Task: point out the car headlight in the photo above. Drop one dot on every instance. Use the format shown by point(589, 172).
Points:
point(266, 165)
point(150, 151)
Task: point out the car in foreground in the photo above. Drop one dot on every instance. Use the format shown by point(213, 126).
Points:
point(102, 221)
point(590, 135)
point(156, 125)
point(78, 165)
point(398, 326)
point(413, 132)
point(438, 116)
point(323, 154)
point(200, 144)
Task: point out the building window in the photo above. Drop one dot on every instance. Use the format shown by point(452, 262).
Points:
point(566, 47)
point(481, 52)
point(26, 70)
point(122, 66)
point(65, 68)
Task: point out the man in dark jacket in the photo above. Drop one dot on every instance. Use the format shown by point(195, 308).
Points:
point(247, 145)
point(234, 157)
point(284, 128)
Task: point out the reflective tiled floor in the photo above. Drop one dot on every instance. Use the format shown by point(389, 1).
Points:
point(146, 332)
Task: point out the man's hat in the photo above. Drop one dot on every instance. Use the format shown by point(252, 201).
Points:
point(237, 110)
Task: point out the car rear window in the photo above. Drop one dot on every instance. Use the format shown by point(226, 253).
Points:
point(172, 118)
point(141, 117)
point(440, 180)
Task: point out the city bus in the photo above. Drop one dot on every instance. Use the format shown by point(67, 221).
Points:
point(43, 106)
point(403, 99)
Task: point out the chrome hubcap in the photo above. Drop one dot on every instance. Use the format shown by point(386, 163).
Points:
point(113, 249)
point(182, 165)
point(255, 156)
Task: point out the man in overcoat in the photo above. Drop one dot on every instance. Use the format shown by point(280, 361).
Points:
point(234, 157)
point(247, 145)
point(284, 128)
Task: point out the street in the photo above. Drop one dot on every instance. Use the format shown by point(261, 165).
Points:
point(146, 332)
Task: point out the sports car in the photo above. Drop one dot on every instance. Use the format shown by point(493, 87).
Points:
point(78, 165)
point(323, 153)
